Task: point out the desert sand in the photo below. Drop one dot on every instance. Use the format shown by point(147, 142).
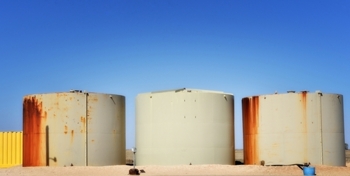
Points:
point(175, 170)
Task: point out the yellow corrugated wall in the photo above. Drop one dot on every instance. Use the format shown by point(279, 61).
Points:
point(10, 149)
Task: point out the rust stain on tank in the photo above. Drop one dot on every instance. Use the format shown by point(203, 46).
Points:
point(83, 124)
point(93, 99)
point(304, 121)
point(250, 107)
point(304, 109)
point(82, 120)
point(65, 129)
point(303, 98)
point(34, 123)
point(72, 136)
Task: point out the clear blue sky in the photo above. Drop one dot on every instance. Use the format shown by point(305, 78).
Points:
point(130, 47)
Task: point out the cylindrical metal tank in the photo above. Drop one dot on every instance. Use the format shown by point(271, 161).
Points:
point(294, 128)
point(185, 126)
point(73, 129)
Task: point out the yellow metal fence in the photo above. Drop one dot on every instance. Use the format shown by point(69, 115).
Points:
point(10, 149)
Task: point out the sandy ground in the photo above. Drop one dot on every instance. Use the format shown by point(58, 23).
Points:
point(173, 170)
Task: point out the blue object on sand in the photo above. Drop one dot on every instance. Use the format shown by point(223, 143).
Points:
point(309, 171)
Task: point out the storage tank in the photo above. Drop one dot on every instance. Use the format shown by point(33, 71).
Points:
point(294, 128)
point(185, 126)
point(73, 129)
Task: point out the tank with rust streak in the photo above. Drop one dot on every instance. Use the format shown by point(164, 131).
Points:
point(294, 128)
point(185, 126)
point(73, 129)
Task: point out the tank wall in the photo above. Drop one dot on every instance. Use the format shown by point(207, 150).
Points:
point(333, 130)
point(290, 128)
point(106, 137)
point(55, 129)
point(176, 128)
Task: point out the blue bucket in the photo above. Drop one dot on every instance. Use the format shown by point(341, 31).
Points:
point(309, 171)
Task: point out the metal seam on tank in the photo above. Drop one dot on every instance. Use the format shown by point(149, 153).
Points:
point(341, 101)
point(86, 128)
point(251, 130)
point(304, 118)
point(255, 127)
point(151, 111)
point(244, 109)
point(320, 96)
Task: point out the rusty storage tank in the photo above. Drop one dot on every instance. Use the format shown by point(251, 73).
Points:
point(73, 129)
point(185, 126)
point(294, 128)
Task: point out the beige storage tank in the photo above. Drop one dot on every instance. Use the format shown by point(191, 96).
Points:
point(185, 126)
point(73, 129)
point(294, 128)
